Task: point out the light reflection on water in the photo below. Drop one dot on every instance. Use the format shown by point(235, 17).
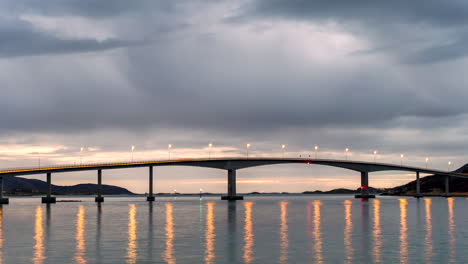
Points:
point(210, 233)
point(451, 230)
point(284, 242)
point(428, 237)
point(168, 253)
point(1, 234)
point(348, 232)
point(248, 233)
point(377, 233)
point(403, 231)
point(80, 239)
point(38, 237)
point(262, 230)
point(132, 235)
point(317, 233)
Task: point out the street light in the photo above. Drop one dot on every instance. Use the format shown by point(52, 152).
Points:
point(169, 147)
point(247, 146)
point(316, 149)
point(449, 163)
point(201, 192)
point(427, 160)
point(209, 151)
point(346, 153)
point(401, 159)
point(283, 147)
point(133, 148)
point(375, 155)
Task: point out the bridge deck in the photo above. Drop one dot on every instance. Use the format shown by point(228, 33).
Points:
point(228, 163)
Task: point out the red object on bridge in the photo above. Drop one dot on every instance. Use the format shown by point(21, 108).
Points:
point(363, 187)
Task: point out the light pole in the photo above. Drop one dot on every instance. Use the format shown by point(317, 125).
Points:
point(448, 167)
point(247, 146)
point(283, 147)
point(81, 154)
point(201, 192)
point(316, 149)
point(169, 147)
point(375, 155)
point(401, 159)
point(346, 153)
point(133, 148)
point(39, 159)
point(210, 146)
point(427, 160)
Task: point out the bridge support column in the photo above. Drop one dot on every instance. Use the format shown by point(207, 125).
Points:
point(364, 186)
point(418, 186)
point(49, 199)
point(99, 198)
point(447, 191)
point(150, 197)
point(231, 192)
point(3, 200)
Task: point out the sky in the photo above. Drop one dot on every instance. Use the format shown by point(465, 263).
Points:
point(106, 75)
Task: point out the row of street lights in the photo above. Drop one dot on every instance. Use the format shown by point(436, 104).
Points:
point(283, 148)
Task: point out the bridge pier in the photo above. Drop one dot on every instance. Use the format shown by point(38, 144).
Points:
point(418, 186)
point(231, 192)
point(99, 198)
point(150, 197)
point(3, 200)
point(447, 191)
point(49, 199)
point(364, 186)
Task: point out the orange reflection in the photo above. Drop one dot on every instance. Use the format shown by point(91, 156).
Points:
point(132, 235)
point(284, 232)
point(248, 233)
point(317, 234)
point(451, 230)
point(210, 233)
point(39, 238)
point(347, 232)
point(377, 233)
point(428, 237)
point(1, 234)
point(403, 232)
point(168, 253)
point(80, 239)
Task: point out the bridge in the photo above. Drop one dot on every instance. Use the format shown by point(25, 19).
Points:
point(231, 165)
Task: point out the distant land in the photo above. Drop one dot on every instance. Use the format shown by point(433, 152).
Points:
point(22, 186)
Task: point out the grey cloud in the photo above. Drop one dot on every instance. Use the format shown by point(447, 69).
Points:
point(404, 28)
point(20, 38)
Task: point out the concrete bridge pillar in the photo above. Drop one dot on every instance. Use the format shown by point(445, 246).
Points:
point(447, 191)
point(231, 190)
point(49, 199)
point(3, 200)
point(99, 198)
point(364, 186)
point(418, 186)
point(150, 197)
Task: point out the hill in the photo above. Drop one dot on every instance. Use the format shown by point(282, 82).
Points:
point(433, 185)
point(23, 186)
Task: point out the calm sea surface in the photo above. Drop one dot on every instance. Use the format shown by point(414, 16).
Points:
point(275, 229)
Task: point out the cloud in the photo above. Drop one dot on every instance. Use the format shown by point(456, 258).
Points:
point(20, 38)
point(418, 32)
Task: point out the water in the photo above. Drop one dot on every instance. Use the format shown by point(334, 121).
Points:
point(281, 229)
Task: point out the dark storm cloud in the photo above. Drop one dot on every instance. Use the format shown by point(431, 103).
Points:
point(439, 13)
point(395, 25)
point(21, 38)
